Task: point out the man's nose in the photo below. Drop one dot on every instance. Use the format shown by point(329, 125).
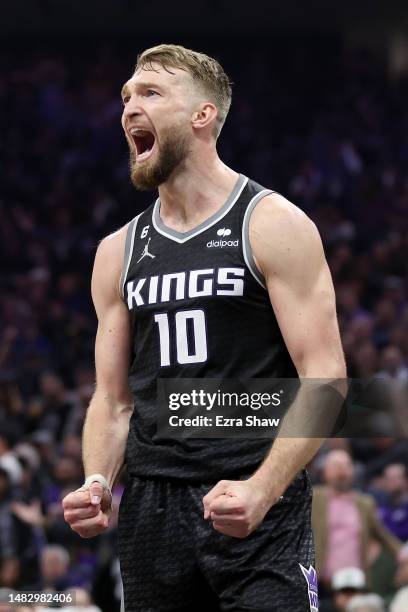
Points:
point(132, 108)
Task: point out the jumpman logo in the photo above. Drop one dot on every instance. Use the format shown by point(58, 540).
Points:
point(146, 251)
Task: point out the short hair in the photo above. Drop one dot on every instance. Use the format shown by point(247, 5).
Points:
point(206, 71)
point(62, 552)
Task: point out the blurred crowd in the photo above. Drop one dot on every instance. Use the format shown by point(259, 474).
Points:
point(329, 131)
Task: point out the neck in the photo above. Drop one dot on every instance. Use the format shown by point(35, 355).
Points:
point(196, 190)
point(339, 490)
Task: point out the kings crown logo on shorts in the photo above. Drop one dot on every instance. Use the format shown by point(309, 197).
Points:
point(223, 232)
point(311, 579)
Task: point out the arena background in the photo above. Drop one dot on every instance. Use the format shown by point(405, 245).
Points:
point(320, 113)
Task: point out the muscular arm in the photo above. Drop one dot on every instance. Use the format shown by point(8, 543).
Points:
point(107, 420)
point(288, 251)
point(87, 510)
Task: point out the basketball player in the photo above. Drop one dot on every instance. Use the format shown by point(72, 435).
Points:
point(218, 278)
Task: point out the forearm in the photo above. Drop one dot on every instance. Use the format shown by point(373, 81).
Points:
point(308, 422)
point(105, 435)
point(285, 459)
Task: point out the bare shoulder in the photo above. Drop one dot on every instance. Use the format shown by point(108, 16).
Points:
point(109, 261)
point(280, 218)
point(281, 233)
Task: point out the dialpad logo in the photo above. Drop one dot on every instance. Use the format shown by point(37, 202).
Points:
point(311, 579)
point(224, 232)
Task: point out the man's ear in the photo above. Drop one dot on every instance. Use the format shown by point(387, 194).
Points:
point(204, 115)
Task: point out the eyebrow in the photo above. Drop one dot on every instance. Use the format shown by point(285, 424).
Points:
point(124, 91)
point(145, 84)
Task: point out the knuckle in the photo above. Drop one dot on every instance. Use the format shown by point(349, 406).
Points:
point(83, 533)
point(66, 500)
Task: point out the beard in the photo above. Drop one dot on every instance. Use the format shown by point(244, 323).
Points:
point(174, 149)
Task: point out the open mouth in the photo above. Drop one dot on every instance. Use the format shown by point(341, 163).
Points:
point(144, 143)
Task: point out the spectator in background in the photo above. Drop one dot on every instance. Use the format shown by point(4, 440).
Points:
point(57, 403)
point(54, 568)
point(17, 540)
point(344, 520)
point(28, 514)
point(401, 582)
point(9, 563)
point(380, 452)
point(366, 603)
point(345, 584)
point(393, 364)
point(393, 510)
point(67, 473)
point(83, 602)
point(8, 459)
point(400, 601)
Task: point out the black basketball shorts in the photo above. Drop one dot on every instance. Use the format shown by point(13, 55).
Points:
point(172, 559)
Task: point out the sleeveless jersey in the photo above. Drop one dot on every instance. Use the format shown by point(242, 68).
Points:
point(199, 309)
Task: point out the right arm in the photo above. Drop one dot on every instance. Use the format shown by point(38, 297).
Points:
point(107, 421)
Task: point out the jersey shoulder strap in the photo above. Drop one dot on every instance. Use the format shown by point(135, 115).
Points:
point(254, 193)
point(133, 226)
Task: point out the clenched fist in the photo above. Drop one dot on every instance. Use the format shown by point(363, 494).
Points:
point(87, 511)
point(236, 507)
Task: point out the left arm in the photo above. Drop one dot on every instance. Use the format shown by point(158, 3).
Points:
point(288, 251)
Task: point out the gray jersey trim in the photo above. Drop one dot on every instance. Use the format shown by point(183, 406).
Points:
point(181, 237)
point(246, 245)
point(129, 244)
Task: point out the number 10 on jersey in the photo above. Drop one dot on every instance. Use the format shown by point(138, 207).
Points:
point(180, 322)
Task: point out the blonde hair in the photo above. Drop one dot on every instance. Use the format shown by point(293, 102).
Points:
point(206, 72)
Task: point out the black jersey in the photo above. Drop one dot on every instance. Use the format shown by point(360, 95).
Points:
point(199, 309)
